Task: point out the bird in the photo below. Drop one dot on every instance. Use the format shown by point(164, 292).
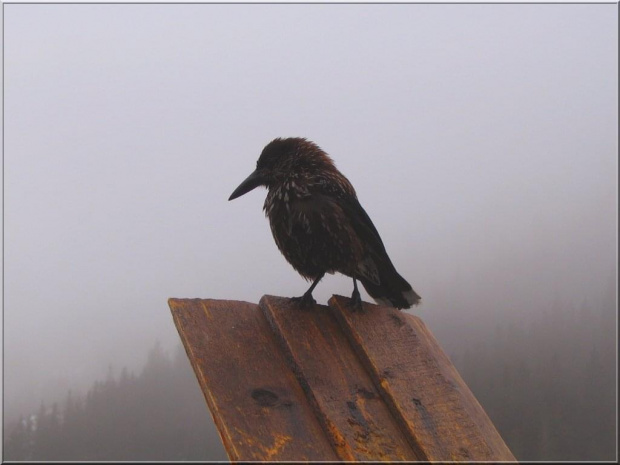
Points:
point(319, 225)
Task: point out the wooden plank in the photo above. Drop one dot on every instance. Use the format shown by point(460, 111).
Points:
point(424, 391)
point(348, 404)
point(259, 408)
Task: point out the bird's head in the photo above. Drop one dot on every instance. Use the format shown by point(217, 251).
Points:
point(284, 159)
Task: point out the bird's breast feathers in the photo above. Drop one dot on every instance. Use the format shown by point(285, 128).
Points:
point(314, 227)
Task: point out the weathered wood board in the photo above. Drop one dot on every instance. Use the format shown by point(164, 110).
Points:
point(258, 406)
point(325, 383)
point(420, 385)
point(345, 399)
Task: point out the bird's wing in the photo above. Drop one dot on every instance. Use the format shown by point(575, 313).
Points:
point(359, 221)
point(376, 271)
point(362, 222)
point(343, 194)
point(383, 282)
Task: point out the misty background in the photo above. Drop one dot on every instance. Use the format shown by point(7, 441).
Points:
point(481, 140)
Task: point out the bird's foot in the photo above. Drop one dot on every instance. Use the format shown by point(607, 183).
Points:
point(305, 301)
point(356, 302)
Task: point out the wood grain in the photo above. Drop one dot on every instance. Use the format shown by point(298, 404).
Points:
point(423, 390)
point(341, 392)
point(258, 406)
point(325, 384)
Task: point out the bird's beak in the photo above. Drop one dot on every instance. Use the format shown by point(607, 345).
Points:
point(251, 182)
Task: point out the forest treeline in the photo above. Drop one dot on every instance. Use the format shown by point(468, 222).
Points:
point(548, 385)
point(157, 415)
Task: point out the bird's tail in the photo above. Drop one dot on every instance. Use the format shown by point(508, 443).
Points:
point(393, 290)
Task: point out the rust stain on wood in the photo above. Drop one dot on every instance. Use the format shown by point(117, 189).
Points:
point(328, 384)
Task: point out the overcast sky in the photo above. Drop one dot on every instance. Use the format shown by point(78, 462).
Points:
point(481, 140)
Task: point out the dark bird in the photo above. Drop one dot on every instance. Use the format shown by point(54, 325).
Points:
point(319, 225)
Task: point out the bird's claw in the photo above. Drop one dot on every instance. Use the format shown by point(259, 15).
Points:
point(305, 301)
point(356, 302)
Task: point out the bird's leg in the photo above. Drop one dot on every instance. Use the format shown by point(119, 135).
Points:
point(307, 300)
point(356, 299)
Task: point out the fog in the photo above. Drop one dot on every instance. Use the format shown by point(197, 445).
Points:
point(481, 140)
